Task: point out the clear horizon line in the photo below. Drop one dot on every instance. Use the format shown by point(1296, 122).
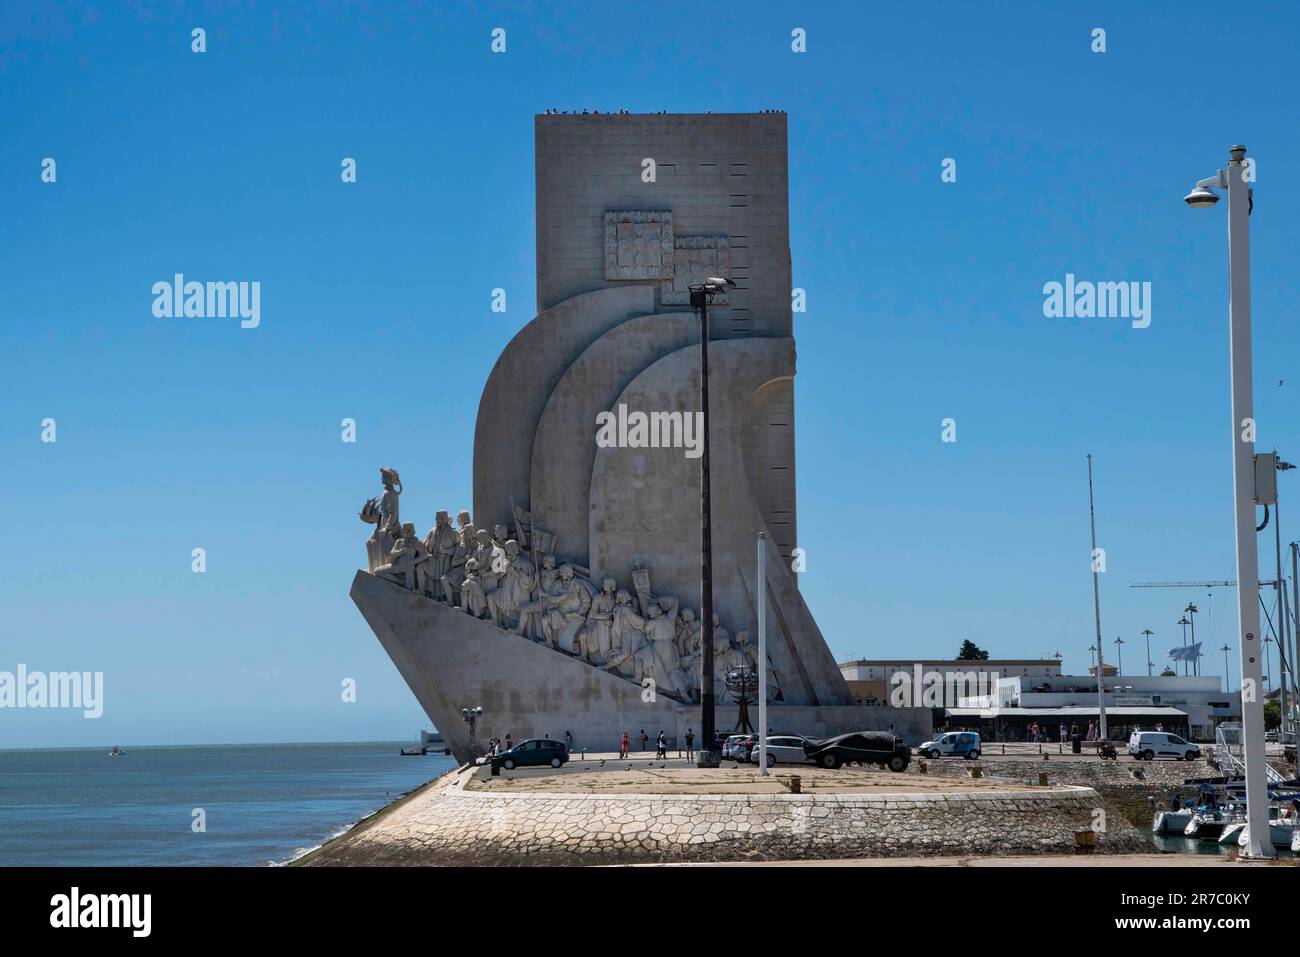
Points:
point(215, 744)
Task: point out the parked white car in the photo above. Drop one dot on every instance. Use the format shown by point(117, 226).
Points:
point(954, 744)
point(1149, 745)
point(782, 749)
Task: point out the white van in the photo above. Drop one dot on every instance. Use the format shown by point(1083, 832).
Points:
point(1149, 745)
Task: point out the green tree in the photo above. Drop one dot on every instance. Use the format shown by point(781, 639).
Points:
point(1169, 673)
point(1272, 715)
point(971, 652)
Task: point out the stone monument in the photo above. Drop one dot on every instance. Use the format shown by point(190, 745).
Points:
point(566, 615)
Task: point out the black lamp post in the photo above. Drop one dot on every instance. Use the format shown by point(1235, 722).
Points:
point(707, 756)
point(470, 716)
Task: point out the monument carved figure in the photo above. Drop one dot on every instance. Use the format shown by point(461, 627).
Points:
point(566, 611)
point(472, 599)
point(405, 559)
point(383, 512)
point(440, 543)
point(598, 631)
point(462, 553)
point(514, 587)
point(660, 631)
point(626, 632)
point(532, 612)
point(486, 554)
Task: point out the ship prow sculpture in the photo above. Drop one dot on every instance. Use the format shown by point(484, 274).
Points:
point(562, 601)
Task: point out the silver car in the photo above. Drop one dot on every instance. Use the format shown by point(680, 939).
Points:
point(733, 749)
point(783, 749)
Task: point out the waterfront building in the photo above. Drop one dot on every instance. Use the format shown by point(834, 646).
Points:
point(1192, 706)
point(871, 680)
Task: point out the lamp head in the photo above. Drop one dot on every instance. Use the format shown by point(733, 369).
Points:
point(1201, 198)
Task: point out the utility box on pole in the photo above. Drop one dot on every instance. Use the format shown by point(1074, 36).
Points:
point(1265, 478)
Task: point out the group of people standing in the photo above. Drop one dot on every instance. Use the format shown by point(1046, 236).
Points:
point(661, 744)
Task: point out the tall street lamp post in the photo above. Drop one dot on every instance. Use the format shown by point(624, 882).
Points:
point(1147, 633)
point(1233, 179)
point(1191, 615)
point(1119, 657)
point(707, 756)
point(1184, 622)
point(470, 716)
point(1096, 606)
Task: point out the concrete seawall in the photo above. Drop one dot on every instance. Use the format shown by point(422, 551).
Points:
point(449, 825)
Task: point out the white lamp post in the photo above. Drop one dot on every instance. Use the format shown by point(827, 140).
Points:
point(1202, 196)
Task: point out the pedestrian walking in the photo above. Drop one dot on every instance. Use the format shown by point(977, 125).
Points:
point(624, 746)
point(644, 739)
point(661, 746)
point(1063, 732)
point(568, 741)
point(690, 745)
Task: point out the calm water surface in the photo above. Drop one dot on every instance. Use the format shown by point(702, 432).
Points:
point(264, 804)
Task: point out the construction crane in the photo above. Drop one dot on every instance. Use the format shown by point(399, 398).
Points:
point(1219, 584)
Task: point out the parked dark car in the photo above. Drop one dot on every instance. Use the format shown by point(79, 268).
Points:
point(534, 752)
point(864, 747)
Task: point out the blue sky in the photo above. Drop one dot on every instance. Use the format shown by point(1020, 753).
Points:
point(924, 302)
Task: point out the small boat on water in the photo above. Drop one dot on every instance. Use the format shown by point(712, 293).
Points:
point(1171, 822)
point(1283, 828)
point(1208, 823)
point(1232, 832)
point(116, 752)
point(1202, 819)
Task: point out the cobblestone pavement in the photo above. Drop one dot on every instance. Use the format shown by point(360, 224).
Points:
point(1119, 774)
point(677, 777)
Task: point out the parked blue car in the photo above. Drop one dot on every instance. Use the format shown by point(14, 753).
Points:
point(957, 744)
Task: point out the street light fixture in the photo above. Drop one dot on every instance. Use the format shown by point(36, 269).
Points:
point(1147, 633)
point(1240, 201)
point(707, 756)
point(1119, 657)
point(1201, 197)
point(470, 716)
